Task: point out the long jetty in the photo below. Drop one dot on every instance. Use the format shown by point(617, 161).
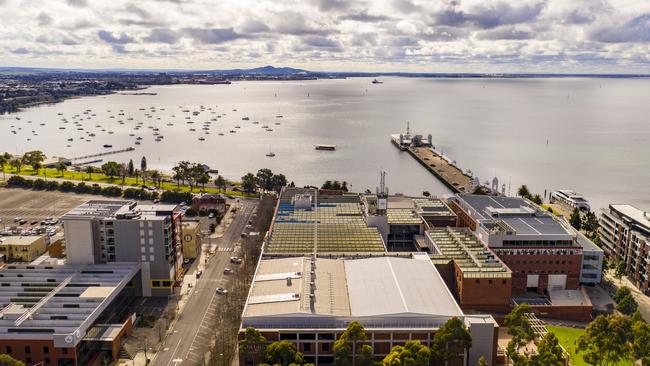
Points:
point(448, 173)
point(103, 154)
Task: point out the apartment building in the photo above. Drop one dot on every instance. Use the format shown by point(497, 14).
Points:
point(191, 234)
point(625, 234)
point(104, 231)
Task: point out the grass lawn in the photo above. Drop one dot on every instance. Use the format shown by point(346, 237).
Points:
point(129, 181)
point(568, 339)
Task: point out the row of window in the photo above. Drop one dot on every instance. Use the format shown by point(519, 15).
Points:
point(537, 262)
point(161, 283)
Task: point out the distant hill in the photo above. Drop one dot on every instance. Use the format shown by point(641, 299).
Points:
point(265, 70)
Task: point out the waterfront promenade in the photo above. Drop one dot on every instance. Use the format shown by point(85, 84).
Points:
point(449, 174)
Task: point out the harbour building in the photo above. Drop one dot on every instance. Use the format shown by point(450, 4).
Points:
point(625, 233)
point(104, 231)
point(310, 300)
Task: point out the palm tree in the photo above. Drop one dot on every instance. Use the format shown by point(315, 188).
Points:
point(155, 177)
point(61, 167)
point(4, 159)
point(89, 170)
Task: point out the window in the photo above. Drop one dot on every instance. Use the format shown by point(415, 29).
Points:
point(490, 282)
point(307, 347)
point(29, 360)
point(155, 283)
point(46, 350)
point(8, 349)
point(503, 282)
point(28, 349)
point(478, 281)
point(64, 351)
point(326, 347)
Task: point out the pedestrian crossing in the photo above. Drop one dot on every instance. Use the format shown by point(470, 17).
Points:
point(220, 249)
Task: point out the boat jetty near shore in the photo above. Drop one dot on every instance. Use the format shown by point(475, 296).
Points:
point(440, 166)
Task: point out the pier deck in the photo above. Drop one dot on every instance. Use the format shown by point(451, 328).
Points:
point(449, 175)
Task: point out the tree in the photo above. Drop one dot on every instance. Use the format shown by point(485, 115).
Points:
point(549, 352)
point(451, 333)
point(366, 356)
point(537, 199)
point(606, 340)
point(61, 167)
point(278, 181)
point(327, 185)
point(4, 159)
point(34, 158)
point(413, 353)
point(348, 343)
point(253, 344)
point(264, 179)
point(220, 183)
point(155, 177)
point(17, 164)
point(575, 220)
point(283, 353)
point(89, 169)
point(136, 174)
point(523, 191)
point(627, 305)
point(482, 361)
point(130, 168)
point(591, 222)
point(111, 169)
point(619, 270)
point(521, 330)
point(202, 179)
point(620, 293)
point(6, 360)
point(641, 343)
point(426, 194)
point(249, 183)
point(143, 169)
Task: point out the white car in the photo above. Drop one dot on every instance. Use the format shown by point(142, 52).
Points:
point(221, 291)
point(228, 271)
point(235, 260)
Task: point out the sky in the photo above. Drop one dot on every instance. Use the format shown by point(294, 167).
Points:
point(557, 36)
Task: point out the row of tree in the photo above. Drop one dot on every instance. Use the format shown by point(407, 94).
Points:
point(352, 348)
point(335, 185)
point(265, 180)
point(33, 158)
point(525, 193)
point(66, 186)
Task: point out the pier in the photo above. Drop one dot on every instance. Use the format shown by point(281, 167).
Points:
point(102, 154)
point(448, 173)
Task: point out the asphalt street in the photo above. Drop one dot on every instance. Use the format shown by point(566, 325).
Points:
point(190, 335)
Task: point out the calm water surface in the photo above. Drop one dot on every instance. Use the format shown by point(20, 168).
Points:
point(591, 135)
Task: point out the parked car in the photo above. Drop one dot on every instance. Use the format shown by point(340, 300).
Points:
point(34, 222)
point(211, 215)
point(199, 273)
point(186, 260)
point(228, 271)
point(235, 260)
point(221, 291)
point(22, 222)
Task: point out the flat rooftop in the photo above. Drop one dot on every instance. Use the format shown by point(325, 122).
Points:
point(320, 224)
point(516, 213)
point(119, 209)
point(639, 216)
point(301, 292)
point(58, 302)
point(21, 240)
point(462, 246)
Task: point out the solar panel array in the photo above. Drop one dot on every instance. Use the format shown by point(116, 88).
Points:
point(333, 224)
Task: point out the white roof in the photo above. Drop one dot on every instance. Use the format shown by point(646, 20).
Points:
point(392, 285)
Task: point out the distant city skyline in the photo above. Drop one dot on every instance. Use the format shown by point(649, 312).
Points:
point(545, 36)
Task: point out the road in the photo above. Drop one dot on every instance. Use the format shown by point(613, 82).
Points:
point(189, 337)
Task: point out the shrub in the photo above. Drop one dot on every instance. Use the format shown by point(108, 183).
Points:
point(66, 186)
point(83, 188)
point(202, 212)
point(112, 191)
point(96, 189)
point(176, 197)
point(52, 185)
point(18, 181)
point(191, 212)
point(39, 184)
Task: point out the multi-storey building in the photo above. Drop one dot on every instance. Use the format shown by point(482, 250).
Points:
point(102, 231)
point(542, 251)
point(625, 234)
point(23, 248)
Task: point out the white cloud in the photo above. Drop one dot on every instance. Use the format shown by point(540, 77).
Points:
point(414, 35)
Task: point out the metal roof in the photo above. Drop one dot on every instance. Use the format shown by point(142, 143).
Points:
point(58, 302)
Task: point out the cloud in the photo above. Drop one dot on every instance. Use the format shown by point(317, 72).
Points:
point(253, 26)
point(405, 6)
point(489, 16)
point(213, 35)
point(293, 23)
point(77, 3)
point(363, 16)
point(505, 33)
point(20, 51)
point(580, 16)
point(162, 35)
point(328, 5)
point(635, 30)
point(44, 19)
point(320, 42)
point(111, 39)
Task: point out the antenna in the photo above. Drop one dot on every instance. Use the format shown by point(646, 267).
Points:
point(408, 128)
